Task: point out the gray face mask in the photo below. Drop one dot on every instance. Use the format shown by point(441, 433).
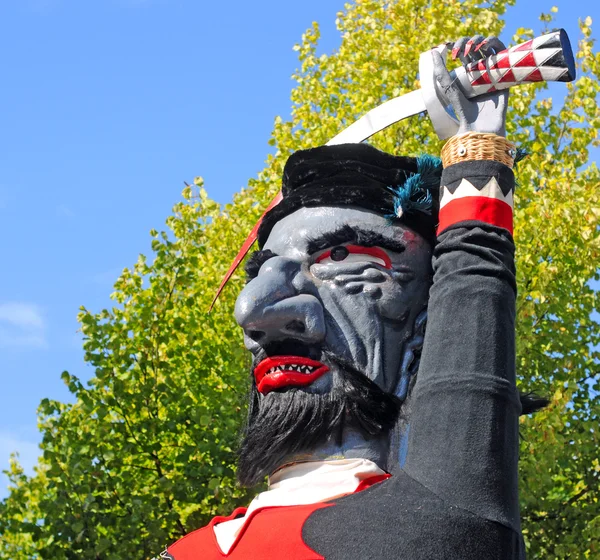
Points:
point(333, 281)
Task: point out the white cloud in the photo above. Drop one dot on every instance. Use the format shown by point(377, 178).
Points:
point(21, 325)
point(22, 315)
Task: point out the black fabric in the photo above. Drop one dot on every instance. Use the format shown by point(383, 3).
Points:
point(332, 165)
point(532, 402)
point(479, 174)
point(466, 406)
point(402, 519)
point(347, 175)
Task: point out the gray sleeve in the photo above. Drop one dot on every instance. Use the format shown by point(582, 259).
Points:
point(463, 438)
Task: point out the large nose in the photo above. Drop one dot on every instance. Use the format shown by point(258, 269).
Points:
point(276, 305)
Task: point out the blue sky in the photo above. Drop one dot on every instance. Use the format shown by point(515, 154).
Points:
point(106, 107)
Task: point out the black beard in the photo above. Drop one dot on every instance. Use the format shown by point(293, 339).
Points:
point(286, 423)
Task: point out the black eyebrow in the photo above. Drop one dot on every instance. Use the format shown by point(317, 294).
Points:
point(256, 260)
point(349, 234)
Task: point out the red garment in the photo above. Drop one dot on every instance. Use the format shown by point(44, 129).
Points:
point(270, 532)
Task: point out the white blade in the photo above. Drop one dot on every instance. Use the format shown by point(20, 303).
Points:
point(381, 117)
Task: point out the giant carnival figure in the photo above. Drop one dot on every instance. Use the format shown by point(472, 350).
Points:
point(380, 314)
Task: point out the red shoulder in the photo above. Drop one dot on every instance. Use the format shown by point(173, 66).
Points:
point(201, 543)
point(271, 532)
point(276, 532)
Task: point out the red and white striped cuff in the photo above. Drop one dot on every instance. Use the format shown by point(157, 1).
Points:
point(485, 197)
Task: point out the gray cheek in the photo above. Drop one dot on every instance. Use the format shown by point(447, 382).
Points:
point(373, 291)
point(366, 283)
point(405, 290)
point(393, 303)
point(358, 279)
point(354, 327)
point(352, 278)
point(393, 292)
point(370, 275)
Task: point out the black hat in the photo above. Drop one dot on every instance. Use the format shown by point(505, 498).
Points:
point(404, 189)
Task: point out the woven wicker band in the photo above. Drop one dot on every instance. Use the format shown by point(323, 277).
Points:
point(477, 146)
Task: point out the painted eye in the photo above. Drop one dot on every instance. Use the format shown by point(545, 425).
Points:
point(339, 253)
point(355, 254)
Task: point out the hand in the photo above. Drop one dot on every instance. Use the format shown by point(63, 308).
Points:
point(486, 113)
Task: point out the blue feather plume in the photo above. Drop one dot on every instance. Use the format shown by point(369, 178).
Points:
point(415, 194)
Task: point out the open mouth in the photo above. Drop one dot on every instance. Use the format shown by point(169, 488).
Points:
point(277, 372)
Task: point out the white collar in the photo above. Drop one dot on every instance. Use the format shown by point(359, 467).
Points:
point(302, 483)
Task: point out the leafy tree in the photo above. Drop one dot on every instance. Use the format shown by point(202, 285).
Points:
point(145, 453)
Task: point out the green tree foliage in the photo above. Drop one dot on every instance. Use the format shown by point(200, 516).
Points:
point(145, 452)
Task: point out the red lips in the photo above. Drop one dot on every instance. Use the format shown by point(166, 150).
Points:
point(277, 372)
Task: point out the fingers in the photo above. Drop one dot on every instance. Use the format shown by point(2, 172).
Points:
point(448, 86)
point(459, 47)
point(475, 48)
point(491, 45)
point(471, 48)
point(485, 113)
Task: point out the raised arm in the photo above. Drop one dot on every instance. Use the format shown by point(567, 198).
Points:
point(463, 441)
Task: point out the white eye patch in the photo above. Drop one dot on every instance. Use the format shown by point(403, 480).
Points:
point(354, 258)
point(348, 254)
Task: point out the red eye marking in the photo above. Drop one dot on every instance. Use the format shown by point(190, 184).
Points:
point(409, 236)
point(359, 250)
